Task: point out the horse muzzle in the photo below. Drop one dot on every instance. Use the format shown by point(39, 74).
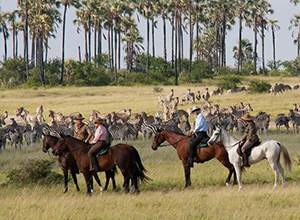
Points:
point(56, 153)
point(154, 147)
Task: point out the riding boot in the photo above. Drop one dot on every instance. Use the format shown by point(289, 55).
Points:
point(190, 162)
point(245, 160)
point(94, 161)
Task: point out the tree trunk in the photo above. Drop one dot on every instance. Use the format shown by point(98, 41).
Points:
point(197, 37)
point(179, 42)
point(191, 37)
point(33, 51)
point(217, 39)
point(165, 37)
point(176, 38)
point(112, 48)
point(14, 39)
point(148, 39)
point(153, 42)
point(26, 40)
point(86, 45)
point(5, 43)
point(99, 39)
point(109, 48)
point(40, 60)
point(240, 42)
point(263, 45)
point(79, 53)
point(90, 39)
point(173, 44)
point(273, 37)
point(116, 55)
point(95, 41)
point(223, 44)
point(255, 43)
point(119, 50)
point(63, 46)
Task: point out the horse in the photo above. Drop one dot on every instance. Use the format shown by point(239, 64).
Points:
point(126, 157)
point(269, 150)
point(67, 162)
point(181, 144)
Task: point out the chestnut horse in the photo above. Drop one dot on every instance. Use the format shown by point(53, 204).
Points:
point(67, 162)
point(126, 157)
point(181, 144)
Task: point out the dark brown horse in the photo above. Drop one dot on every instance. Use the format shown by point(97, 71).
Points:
point(124, 156)
point(181, 144)
point(67, 162)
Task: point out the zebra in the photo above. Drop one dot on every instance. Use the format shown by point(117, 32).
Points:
point(149, 129)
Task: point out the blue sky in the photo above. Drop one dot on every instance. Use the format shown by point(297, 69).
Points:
point(285, 49)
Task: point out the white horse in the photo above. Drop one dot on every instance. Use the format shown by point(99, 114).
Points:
point(269, 150)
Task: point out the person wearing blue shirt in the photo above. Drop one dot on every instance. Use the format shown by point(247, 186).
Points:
point(199, 133)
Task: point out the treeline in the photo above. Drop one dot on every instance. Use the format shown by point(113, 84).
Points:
point(97, 72)
point(114, 23)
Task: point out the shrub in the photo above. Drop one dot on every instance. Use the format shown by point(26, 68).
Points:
point(201, 70)
point(13, 72)
point(34, 172)
point(248, 69)
point(230, 82)
point(226, 71)
point(259, 86)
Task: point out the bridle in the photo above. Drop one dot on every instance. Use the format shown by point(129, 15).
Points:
point(165, 145)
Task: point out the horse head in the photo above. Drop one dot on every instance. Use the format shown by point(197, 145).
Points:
point(59, 148)
point(158, 139)
point(215, 137)
point(48, 142)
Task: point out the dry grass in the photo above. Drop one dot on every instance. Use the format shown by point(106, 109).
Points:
point(164, 196)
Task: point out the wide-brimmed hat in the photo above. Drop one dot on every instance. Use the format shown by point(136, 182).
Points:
point(195, 108)
point(98, 120)
point(79, 117)
point(247, 117)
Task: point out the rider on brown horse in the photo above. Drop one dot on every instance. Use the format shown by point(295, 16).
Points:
point(250, 139)
point(99, 143)
point(199, 133)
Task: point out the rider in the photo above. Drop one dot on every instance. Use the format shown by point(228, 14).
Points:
point(200, 132)
point(81, 130)
point(99, 143)
point(250, 139)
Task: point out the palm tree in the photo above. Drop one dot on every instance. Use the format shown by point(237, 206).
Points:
point(274, 27)
point(295, 22)
point(264, 9)
point(66, 4)
point(243, 52)
point(11, 17)
point(4, 29)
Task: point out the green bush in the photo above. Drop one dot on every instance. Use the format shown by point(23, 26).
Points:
point(226, 71)
point(248, 69)
point(230, 82)
point(259, 86)
point(201, 70)
point(12, 72)
point(34, 172)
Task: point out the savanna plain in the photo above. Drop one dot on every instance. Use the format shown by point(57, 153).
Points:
point(164, 197)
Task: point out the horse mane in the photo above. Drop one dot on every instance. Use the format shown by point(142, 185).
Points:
point(174, 132)
point(76, 140)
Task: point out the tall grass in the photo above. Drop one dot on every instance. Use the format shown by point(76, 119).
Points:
point(164, 197)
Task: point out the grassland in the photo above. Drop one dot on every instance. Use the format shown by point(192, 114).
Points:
point(164, 197)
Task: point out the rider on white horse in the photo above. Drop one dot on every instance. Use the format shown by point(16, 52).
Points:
point(199, 133)
point(250, 139)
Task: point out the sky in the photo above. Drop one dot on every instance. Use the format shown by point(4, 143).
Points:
point(285, 48)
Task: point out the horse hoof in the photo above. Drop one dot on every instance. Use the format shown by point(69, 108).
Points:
point(227, 184)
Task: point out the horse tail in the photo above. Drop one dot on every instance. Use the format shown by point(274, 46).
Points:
point(286, 156)
point(138, 168)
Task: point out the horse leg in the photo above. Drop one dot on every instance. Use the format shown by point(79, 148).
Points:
point(74, 177)
point(98, 181)
point(108, 176)
point(274, 166)
point(187, 173)
point(125, 188)
point(281, 172)
point(65, 171)
point(89, 181)
point(225, 162)
point(238, 171)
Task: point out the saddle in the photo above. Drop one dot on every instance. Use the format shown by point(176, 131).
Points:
point(104, 150)
point(247, 152)
point(202, 144)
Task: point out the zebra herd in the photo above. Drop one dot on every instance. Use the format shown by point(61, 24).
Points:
point(124, 125)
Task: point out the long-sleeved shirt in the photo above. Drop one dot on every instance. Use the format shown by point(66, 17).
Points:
point(100, 134)
point(200, 123)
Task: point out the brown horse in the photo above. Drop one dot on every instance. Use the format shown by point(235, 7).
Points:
point(67, 162)
point(124, 156)
point(181, 144)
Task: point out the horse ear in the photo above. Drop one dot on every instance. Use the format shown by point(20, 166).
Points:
point(158, 129)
